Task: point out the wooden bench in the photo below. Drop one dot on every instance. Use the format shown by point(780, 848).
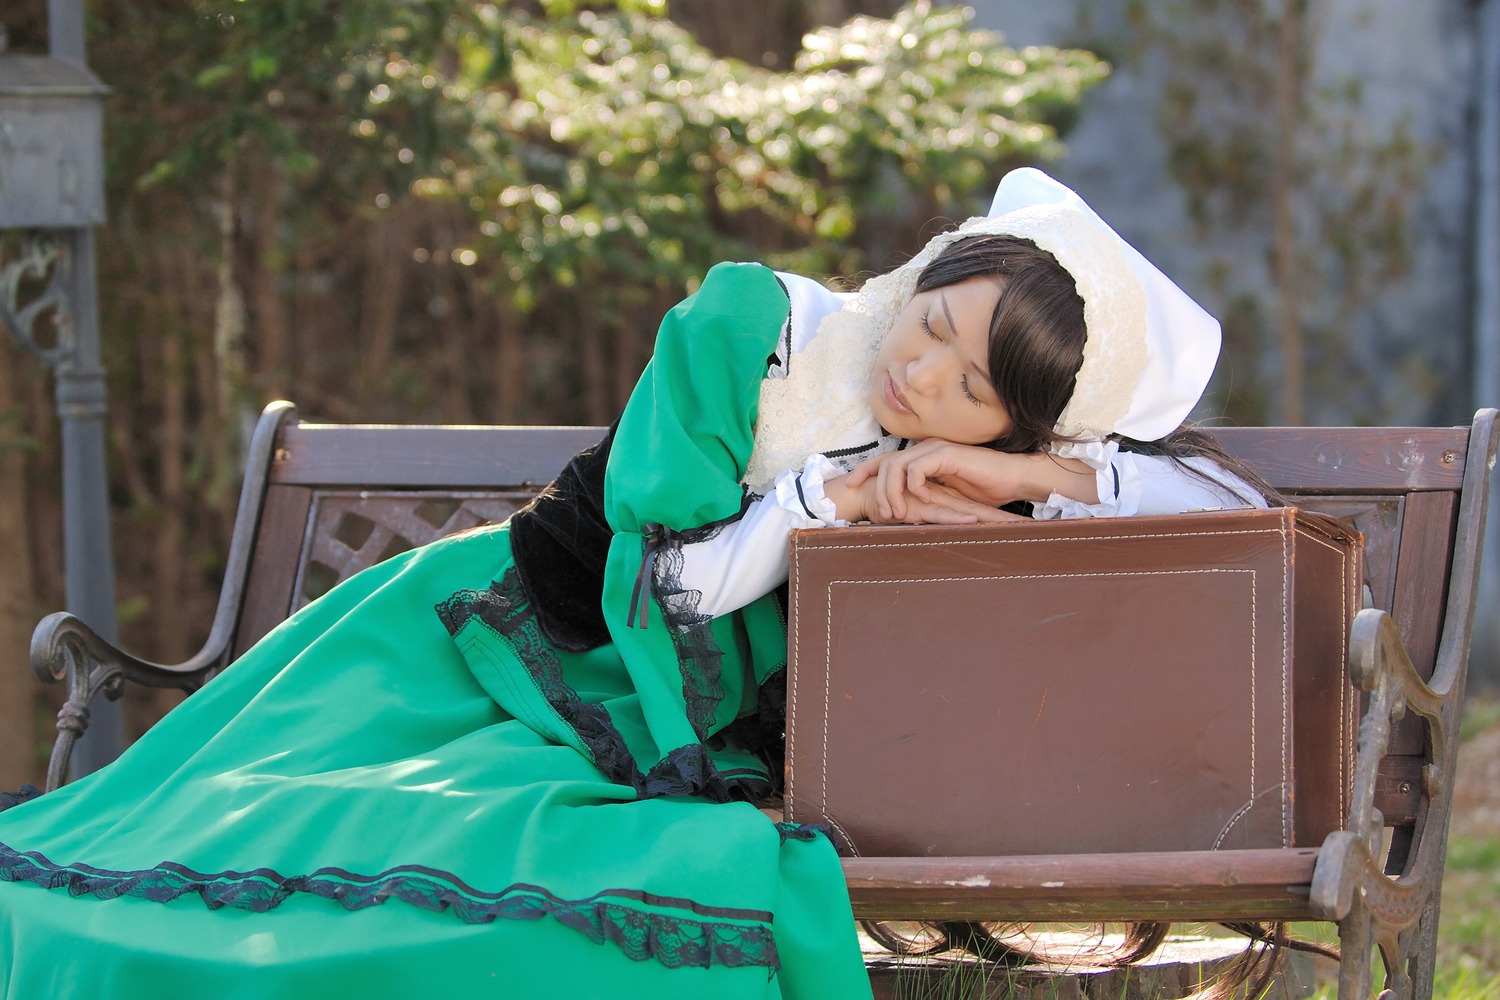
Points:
point(320, 502)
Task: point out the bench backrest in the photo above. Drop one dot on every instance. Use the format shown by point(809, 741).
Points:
point(1401, 487)
point(339, 498)
point(335, 499)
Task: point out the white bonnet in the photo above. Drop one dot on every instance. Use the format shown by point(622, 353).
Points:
point(1150, 348)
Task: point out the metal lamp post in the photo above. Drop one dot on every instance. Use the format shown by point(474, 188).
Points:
point(52, 190)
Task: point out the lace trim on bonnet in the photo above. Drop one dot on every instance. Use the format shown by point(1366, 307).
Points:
point(826, 393)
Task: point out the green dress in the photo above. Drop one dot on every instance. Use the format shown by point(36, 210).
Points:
point(407, 789)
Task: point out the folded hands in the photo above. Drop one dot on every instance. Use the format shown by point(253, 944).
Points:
point(939, 482)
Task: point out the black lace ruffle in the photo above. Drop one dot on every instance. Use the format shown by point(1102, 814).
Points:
point(504, 609)
point(686, 770)
point(698, 935)
point(25, 794)
point(801, 831)
point(699, 658)
point(763, 732)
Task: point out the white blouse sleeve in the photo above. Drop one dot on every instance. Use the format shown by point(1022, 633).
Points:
point(1131, 483)
point(749, 557)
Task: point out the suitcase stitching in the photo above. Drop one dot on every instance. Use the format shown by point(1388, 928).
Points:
point(1042, 541)
point(828, 662)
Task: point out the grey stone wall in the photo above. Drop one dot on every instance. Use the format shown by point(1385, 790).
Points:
point(1397, 349)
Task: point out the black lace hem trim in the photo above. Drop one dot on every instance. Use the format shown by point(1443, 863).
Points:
point(686, 770)
point(699, 936)
point(802, 831)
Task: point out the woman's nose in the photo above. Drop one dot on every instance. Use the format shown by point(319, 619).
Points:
point(924, 372)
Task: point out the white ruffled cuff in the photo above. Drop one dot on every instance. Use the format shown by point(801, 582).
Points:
point(801, 493)
point(1119, 490)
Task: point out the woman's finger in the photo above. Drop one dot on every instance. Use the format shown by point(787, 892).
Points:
point(951, 500)
point(898, 472)
point(956, 512)
point(940, 515)
point(931, 460)
point(958, 500)
point(936, 514)
point(922, 469)
point(889, 494)
point(864, 470)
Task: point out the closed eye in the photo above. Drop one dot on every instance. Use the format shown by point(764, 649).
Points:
point(930, 331)
point(964, 383)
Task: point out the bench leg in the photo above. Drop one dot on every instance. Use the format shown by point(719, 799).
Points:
point(1408, 966)
point(1355, 943)
point(1424, 963)
point(1397, 912)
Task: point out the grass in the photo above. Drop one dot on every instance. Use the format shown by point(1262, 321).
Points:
point(1468, 962)
point(952, 976)
point(1449, 984)
point(956, 981)
point(1468, 959)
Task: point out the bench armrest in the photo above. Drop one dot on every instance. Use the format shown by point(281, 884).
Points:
point(1380, 666)
point(66, 649)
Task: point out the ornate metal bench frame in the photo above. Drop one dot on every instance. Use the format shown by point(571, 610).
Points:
point(320, 502)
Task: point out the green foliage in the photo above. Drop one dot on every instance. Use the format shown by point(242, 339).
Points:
point(450, 210)
point(1481, 713)
point(297, 81)
point(623, 148)
point(605, 144)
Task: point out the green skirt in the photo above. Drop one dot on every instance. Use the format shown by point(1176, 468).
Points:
point(358, 807)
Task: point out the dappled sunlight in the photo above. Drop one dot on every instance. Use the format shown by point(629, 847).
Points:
point(406, 775)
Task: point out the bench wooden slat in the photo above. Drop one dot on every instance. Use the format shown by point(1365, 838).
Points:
point(279, 548)
point(1352, 459)
point(1269, 884)
point(1422, 568)
point(1398, 787)
point(375, 455)
point(1378, 519)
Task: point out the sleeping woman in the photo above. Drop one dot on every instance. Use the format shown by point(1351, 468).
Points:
point(525, 760)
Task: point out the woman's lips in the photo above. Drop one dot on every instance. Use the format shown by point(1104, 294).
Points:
point(895, 399)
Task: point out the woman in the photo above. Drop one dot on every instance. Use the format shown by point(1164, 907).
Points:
point(547, 785)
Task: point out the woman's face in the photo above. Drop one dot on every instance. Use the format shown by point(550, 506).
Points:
point(932, 375)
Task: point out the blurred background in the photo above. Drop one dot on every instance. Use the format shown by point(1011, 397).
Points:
point(449, 211)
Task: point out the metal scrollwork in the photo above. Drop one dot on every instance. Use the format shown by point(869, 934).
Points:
point(1377, 911)
point(41, 258)
point(64, 649)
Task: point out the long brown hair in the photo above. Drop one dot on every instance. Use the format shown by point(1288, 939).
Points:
point(1036, 343)
point(1036, 332)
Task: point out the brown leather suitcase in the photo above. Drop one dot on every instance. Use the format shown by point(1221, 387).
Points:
point(1123, 684)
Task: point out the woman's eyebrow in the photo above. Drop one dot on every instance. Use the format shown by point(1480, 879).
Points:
point(943, 301)
point(981, 370)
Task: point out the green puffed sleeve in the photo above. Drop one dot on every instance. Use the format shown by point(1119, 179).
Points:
point(676, 465)
point(650, 707)
point(687, 431)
